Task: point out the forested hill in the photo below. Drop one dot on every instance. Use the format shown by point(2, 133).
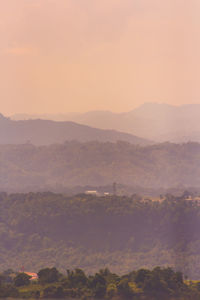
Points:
point(30, 168)
point(44, 132)
point(83, 231)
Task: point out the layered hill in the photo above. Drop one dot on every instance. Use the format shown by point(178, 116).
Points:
point(158, 122)
point(46, 132)
point(30, 168)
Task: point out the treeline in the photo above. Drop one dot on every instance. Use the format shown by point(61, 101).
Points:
point(123, 233)
point(60, 166)
point(144, 284)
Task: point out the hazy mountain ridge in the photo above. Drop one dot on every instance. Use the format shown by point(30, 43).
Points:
point(159, 122)
point(46, 132)
point(27, 167)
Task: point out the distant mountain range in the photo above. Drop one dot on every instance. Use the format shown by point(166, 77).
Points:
point(46, 132)
point(153, 121)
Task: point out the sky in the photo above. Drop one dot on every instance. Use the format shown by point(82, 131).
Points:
point(60, 56)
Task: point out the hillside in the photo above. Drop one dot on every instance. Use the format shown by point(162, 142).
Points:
point(121, 233)
point(45, 132)
point(27, 167)
point(158, 122)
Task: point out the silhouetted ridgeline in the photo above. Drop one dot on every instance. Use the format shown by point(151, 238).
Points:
point(30, 168)
point(122, 233)
point(154, 121)
point(45, 132)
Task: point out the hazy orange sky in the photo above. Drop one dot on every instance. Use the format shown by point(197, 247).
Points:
point(79, 55)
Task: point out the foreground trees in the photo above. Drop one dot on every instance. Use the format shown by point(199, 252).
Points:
point(22, 279)
point(144, 284)
point(48, 275)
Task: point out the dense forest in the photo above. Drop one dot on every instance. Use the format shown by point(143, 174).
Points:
point(143, 284)
point(84, 231)
point(27, 168)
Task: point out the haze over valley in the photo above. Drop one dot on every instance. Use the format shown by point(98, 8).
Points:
point(60, 166)
point(100, 149)
point(68, 151)
point(46, 132)
point(152, 121)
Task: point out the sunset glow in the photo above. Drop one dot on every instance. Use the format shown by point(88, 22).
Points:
point(66, 55)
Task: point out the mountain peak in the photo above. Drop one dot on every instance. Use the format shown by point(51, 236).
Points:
point(3, 118)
